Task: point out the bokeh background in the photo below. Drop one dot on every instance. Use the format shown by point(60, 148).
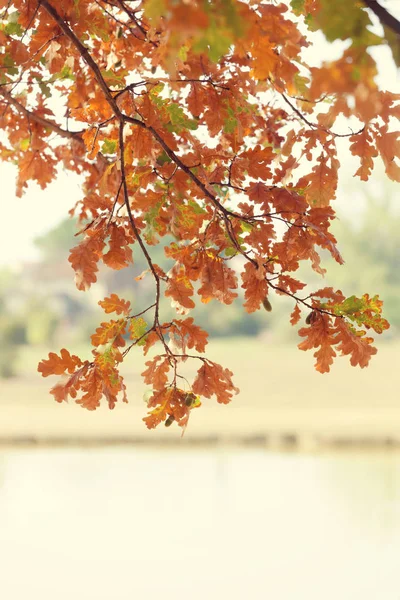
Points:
point(290, 492)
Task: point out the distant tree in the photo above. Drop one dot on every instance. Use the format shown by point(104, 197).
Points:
point(57, 242)
point(202, 121)
point(371, 247)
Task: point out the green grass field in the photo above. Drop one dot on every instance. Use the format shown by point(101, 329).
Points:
point(280, 391)
point(266, 373)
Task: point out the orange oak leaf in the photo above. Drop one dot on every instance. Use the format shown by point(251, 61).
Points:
point(180, 289)
point(70, 387)
point(156, 373)
point(357, 346)
point(212, 379)
point(111, 330)
point(255, 286)
point(58, 365)
point(114, 304)
point(295, 316)
point(319, 335)
point(84, 259)
point(92, 388)
point(320, 185)
point(363, 146)
point(388, 144)
point(185, 334)
point(36, 166)
point(120, 254)
point(168, 402)
point(200, 129)
point(160, 400)
point(92, 141)
point(217, 280)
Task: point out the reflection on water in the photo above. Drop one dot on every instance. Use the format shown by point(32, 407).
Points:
point(118, 524)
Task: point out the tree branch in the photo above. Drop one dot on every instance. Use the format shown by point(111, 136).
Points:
point(43, 122)
point(386, 19)
point(315, 125)
point(83, 51)
point(125, 118)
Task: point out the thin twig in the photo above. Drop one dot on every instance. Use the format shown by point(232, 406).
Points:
point(40, 120)
point(315, 125)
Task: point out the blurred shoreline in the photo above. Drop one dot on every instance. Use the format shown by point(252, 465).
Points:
point(306, 412)
point(274, 445)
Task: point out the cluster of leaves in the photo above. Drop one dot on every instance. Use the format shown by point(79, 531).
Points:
point(340, 324)
point(201, 121)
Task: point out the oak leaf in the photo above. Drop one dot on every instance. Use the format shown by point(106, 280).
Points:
point(212, 379)
point(58, 365)
point(180, 289)
point(84, 259)
point(362, 146)
point(255, 286)
point(114, 303)
point(156, 373)
point(295, 316)
point(110, 330)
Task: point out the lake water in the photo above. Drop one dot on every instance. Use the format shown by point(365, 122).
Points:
point(116, 524)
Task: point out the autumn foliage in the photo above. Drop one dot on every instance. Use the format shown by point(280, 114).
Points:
point(200, 122)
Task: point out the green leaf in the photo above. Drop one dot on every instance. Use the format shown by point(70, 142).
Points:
point(109, 147)
point(163, 158)
point(154, 9)
point(341, 20)
point(246, 227)
point(66, 73)
point(13, 17)
point(8, 62)
point(24, 144)
point(196, 208)
point(297, 6)
point(230, 251)
point(45, 89)
point(351, 305)
point(178, 118)
point(114, 79)
point(214, 41)
point(137, 329)
point(14, 29)
point(231, 122)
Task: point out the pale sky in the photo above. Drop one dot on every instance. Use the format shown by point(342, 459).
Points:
point(39, 210)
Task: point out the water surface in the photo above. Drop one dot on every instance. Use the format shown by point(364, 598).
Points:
point(116, 524)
